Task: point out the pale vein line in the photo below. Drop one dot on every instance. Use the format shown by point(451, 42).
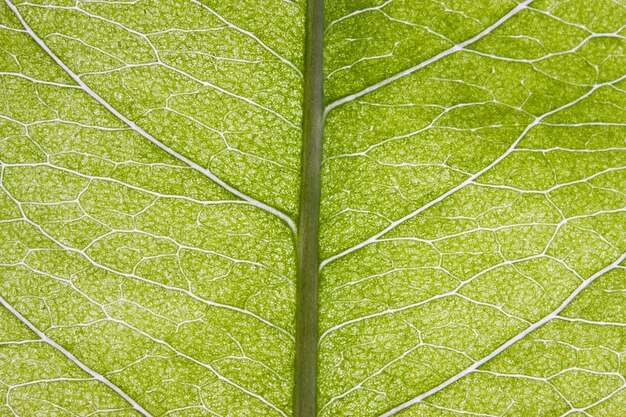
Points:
point(145, 134)
point(207, 366)
point(593, 322)
point(358, 12)
point(429, 61)
point(470, 179)
point(74, 359)
point(190, 294)
point(35, 80)
point(509, 342)
point(251, 35)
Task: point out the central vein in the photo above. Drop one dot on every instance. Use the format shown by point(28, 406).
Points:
point(308, 221)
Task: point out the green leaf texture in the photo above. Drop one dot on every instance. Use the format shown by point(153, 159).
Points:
point(472, 225)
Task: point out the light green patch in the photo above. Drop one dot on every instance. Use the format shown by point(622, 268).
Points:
point(472, 220)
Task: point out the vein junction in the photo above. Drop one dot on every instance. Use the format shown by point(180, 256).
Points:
point(140, 271)
point(471, 209)
point(472, 215)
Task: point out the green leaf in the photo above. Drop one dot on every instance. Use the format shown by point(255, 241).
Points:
point(159, 231)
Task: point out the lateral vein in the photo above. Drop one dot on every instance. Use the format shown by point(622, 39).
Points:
point(538, 120)
point(145, 134)
point(443, 54)
point(554, 314)
point(99, 377)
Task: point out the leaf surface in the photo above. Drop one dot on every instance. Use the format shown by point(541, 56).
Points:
point(472, 225)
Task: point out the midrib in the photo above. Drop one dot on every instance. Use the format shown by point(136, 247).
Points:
point(307, 240)
point(308, 220)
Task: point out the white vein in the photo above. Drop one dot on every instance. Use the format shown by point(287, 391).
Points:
point(249, 34)
point(429, 61)
point(472, 178)
point(73, 358)
point(145, 134)
point(161, 342)
point(473, 367)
